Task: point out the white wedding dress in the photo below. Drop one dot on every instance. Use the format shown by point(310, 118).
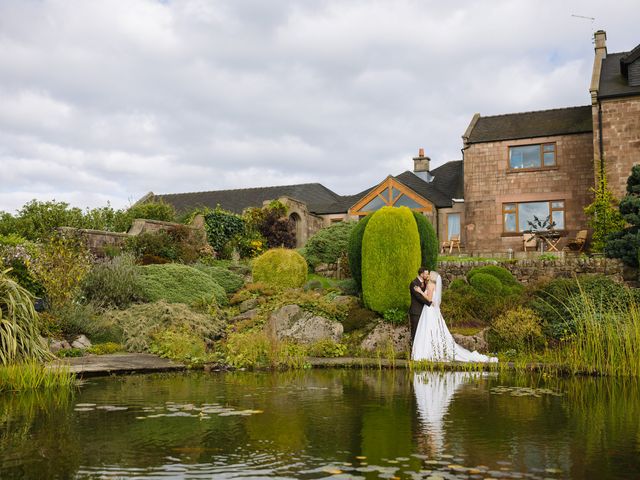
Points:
point(434, 342)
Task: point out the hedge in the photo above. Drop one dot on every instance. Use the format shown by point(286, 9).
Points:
point(390, 258)
point(329, 243)
point(280, 267)
point(355, 251)
point(429, 246)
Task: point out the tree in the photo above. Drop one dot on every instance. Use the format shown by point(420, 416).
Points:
point(354, 251)
point(625, 244)
point(272, 223)
point(428, 242)
point(604, 216)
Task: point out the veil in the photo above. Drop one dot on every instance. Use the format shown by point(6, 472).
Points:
point(437, 294)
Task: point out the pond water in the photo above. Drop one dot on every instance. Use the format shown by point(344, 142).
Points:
point(325, 423)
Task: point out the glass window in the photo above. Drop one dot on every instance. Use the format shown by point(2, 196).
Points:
point(526, 212)
point(376, 204)
point(532, 156)
point(453, 225)
point(509, 213)
point(516, 216)
point(405, 201)
point(395, 193)
point(385, 194)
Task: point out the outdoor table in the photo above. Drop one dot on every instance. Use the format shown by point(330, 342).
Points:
point(551, 239)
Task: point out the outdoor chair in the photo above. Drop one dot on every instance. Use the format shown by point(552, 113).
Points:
point(529, 240)
point(577, 244)
point(453, 242)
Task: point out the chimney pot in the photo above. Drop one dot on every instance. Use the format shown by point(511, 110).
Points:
point(421, 163)
point(421, 152)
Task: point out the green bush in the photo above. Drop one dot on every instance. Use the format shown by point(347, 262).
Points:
point(395, 316)
point(329, 243)
point(70, 352)
point(176, 283)
point(519, 329)
point(280, 267)
point(152, 210)
point(625, 244)
point(113, 282)
point(222, 227)
point(327, 348)
point(390, 259)
point(429, 246)
point(230, 281)
point(505, 276)
point(486, 284)
point(457, 283)
point(106, 348)
point(357, 318)
point(355, 250)
point(140, 325)
point(179, 344)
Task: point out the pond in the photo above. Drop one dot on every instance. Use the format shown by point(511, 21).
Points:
point(325, 423)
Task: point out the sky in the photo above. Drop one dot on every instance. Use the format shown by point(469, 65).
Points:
point(104, 101)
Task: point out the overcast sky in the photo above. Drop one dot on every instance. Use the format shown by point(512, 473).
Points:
point(107, 100)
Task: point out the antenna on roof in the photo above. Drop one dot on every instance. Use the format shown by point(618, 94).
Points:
point(593, 19)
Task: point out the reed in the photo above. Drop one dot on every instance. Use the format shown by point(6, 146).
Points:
point(32, 375)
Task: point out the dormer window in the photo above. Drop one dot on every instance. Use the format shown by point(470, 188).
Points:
point(527, 157)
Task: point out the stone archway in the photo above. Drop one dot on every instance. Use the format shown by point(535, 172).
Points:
point(298, 228)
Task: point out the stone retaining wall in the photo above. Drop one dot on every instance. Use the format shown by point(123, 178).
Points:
point(532, 271)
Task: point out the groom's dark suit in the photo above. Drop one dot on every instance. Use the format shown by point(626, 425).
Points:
point(417, 302)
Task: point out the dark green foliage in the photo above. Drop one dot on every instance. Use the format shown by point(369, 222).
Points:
point(222, 227)
point(505, 277)
point(347, 286)
point(429, 246)
point(457, 283)
point(153, 244)
point(230, 281)
point(272, 223)
point(329, 243)
point(554, 302)
point(153, 210)
point(355, 250)
point(176, 283)
point(486, 284)
point(113, 283)
point(625, 244)
point(357, 318)
point(395, 316)
point(280, 267)
point(390, 259)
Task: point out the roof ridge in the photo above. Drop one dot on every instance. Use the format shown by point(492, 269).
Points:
point(247, 188)
point(536, 111)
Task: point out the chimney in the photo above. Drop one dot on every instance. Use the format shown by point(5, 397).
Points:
point(600, 41)
point(421, 163)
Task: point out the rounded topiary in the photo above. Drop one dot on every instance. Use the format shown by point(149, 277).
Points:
point(390, 258)
point(457, 284)
point(428, 241)
point(486, 284)
point(280, 267)
point(354, 251)
point(502, 274)
point(176, 283)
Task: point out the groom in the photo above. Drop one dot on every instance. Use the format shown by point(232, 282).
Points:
point(417, 300)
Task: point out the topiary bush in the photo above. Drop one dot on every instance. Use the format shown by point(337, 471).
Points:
point(486, 284)
point(519, 329)
point(355, 250)
point(280, 267)
point(329, 243)
point(429, 246)
point(390, 259)
point(176, 283)
point(230, 281)
point(505, 277)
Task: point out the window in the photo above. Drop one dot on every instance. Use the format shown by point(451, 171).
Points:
point(393, 194)
point(453, 225)
point(516, 216)
point(532, 156)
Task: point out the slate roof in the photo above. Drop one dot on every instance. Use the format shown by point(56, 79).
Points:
point(314, 195)
point(542, 123)
point(612, 82)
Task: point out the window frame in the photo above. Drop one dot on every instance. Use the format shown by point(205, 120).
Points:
point(459, 224)
point(516, 210)
point(541, 152)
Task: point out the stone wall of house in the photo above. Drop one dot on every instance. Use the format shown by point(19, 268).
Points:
point(339, 270)
point(488, 184)
point(620, 140)
point(98, 241)
point(532, 271)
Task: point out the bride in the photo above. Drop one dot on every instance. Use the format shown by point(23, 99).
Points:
point(433, 341)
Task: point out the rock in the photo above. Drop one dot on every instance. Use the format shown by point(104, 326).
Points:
point(248, 315)
point(81, 341)
point(57, 345)
point(384, 333)
point(347, 300)
point(475, 342)
point(291, 322)
point(249, 304)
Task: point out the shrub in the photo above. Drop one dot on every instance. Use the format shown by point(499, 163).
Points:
point(113, 283)
point(502, 274)
point(329, 244)
point(355, 250)
point(429, 246)
point(60, 266)
point(457, 284)
point(152, 244)
point(152, 210)
point(141, 324)
point(272, 223)
point(395, 316)
point(327, 348)
point(19, 334)
point(221, 227)
point(16, 254)
point(280, 267)
point(626, 243)
point(179, 344)
point(486, 284)
point(104, 348)
point(257, 350)
point(176, 283)
point(70, 352)
point(347, 286)
point(230, 281)
point(519, 329)
point(357, 318)
point(390, 258)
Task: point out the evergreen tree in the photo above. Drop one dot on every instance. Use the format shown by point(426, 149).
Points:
point(625, 244)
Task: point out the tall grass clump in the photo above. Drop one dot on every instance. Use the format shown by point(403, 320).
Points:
point(32, 375)
point(19, 333)
point(606, 339)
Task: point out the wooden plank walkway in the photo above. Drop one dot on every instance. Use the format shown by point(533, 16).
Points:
point(118, 363)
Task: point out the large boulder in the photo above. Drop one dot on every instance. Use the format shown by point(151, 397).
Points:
point(293, 323)
point(385, 334)
point(81, 341)
point(477, 342)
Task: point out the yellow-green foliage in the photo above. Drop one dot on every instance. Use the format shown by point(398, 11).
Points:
point(254, 349)
point(34, 375)
point(105, 348)
point(519, 328)
point(390, 258)
point(280, 267)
